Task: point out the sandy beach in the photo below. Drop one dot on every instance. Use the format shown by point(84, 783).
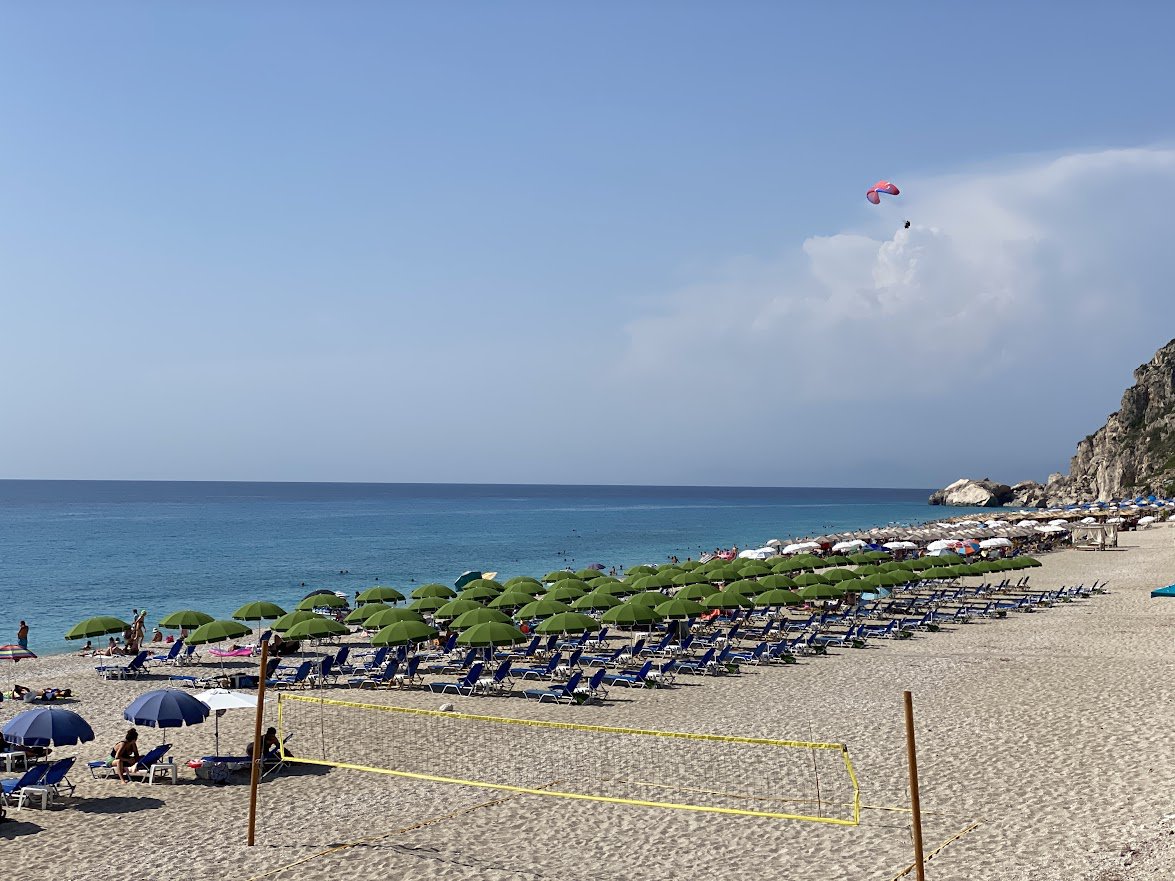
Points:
point(1043, 749)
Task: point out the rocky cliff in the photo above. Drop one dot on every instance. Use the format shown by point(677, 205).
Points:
point(1132, 454)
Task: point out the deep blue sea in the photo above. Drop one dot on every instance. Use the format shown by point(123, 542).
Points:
point(71, 549)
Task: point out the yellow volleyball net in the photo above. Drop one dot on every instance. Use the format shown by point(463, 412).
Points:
point(712, 773)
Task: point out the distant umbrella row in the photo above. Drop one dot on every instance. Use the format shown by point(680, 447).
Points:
point(562, 602)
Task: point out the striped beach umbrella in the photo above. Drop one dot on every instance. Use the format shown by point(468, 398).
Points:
point(15, 653)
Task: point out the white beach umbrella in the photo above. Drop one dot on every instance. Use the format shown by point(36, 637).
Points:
point(943, 544)
point(802, 546)
point(1051, 527)
point(995, 543)
point(1089, 520)
point(220, 700)
point(1147, 519)
point(848, 545)
point(1058, 522)
point(900, 545)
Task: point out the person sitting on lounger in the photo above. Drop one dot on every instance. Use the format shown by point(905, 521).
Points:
point(125, 754)
point(270, 746)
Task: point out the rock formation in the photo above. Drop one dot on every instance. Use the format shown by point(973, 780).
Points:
point(1132, 454)
point(968, 493)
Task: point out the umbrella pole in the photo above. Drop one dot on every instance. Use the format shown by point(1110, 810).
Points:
point(255, 772)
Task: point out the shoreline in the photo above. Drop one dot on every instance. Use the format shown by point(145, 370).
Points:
point(1046, 728)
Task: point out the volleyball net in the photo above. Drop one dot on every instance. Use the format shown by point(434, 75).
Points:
point(711, 773)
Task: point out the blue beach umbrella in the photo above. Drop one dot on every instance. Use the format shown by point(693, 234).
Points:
point(48, 726)
point(166, 708)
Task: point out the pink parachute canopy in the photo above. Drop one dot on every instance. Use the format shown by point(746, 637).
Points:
point(882, 186)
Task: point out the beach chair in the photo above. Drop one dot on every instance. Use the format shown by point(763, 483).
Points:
point(451, 666)
point(540, 672)
point(698, 665)
point(11, 787)
point(169, 656)
point(298, 677)
point(116, 671)
point(609, 660)
point(630, 680)
point(386, 677)
point(499, 683)
point(409, 675)
point(56, 777)
point(594, 690)
point(755, 656)
point(465, 685)
point(664, 675)
point(100, 769)
point(557, 693)
point(531, 648)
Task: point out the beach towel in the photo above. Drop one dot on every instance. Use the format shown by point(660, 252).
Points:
point(234, 653)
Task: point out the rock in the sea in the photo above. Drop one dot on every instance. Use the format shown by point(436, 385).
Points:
point(967, 493)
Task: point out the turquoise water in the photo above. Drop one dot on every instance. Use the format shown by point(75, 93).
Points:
point(69, 550)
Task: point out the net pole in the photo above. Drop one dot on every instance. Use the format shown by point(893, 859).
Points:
point(915, 803)
point(258, 754)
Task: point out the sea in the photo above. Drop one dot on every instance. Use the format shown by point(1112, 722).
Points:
point(72, 549)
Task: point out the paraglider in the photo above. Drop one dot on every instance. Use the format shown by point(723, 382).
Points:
point(882, 186)
point(907, 224)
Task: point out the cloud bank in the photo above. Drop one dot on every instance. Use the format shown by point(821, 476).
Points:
point(1020, 296)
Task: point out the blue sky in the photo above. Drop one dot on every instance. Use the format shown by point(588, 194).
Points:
point(604, 243)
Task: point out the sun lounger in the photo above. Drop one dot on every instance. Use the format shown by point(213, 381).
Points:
point(630, 680)
point(136, 667)
point(564, 693)
point(465, 685)
point(142, 768)
point(12, 787)
point(170, 656)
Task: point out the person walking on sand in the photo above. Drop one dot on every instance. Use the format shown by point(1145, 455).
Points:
point(22, 635)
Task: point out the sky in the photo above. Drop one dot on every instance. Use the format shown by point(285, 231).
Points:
point(577, 243)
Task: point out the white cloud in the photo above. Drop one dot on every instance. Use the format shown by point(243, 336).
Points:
point(1050, 256)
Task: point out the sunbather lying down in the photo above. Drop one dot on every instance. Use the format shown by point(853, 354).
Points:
point(24, 693)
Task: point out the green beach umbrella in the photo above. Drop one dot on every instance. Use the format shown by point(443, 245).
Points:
point(778, 597)
point(480, 616)
point(897, 564)
point(365, 611)
point(679, 608)
point(585, 574)
point(855, 585)
point(511, 599)
point(530, 588)
point(102, 625)
point(321, 601)
point(696, 592)
point(521, 579)
point(877, 556)
point(478, 593)
point(542, 608)
point(567, 590)
point(391, 615)
point(787, 565)
point(492, 633)
point(860, 558)
point(688, 565)
point(838, 574)
point(624, 588)
point(835, 560)
point(753, 569)
point(651, 598)
point(775, 582)
point(380, 594)
point(568, 622)
point(596, 601)
point(939, 572)
point(593, 583)
point(433, 590)
point(821, 592)
point(259, 611)
point(747, 587)
point(476, 583)
point(404, 633)
point(726, 599)
point(557, 575)
point(641, 570)
point(631, 615)
point(187, 618)
point(807, 579)
point(455, 608)
point(217, 631)
point(316, 628)
point(687, 578)
point(429, 604)
point(724, 574)
point(289, 619)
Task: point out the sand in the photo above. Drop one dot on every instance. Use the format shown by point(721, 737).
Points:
point(1043, 745)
